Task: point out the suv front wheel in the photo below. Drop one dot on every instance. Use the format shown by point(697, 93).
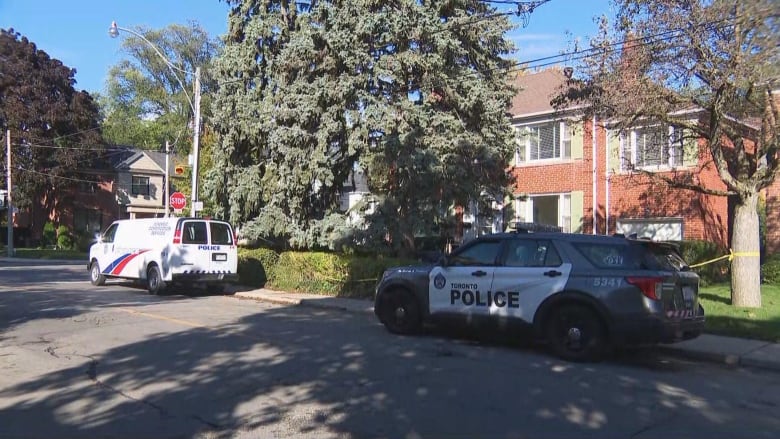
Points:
point(576, 333)
point(400, 312)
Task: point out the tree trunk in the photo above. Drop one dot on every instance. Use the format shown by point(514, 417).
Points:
point(746, 265)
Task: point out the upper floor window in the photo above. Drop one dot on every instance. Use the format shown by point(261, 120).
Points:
point(87, 187)
point(652, 147)
point(140, 185)
point(545, 141)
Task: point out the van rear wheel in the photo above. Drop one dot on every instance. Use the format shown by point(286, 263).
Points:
point(95, 276)
point(154, 280)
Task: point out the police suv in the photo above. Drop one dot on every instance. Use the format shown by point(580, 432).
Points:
point(580, 293)
point(159, 251)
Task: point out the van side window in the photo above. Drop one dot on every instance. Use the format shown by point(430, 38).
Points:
point(220, 234)
point(194, 232)
point(108, 235)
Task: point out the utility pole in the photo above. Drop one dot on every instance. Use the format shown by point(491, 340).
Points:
point(195, 143)
point(10, 246)
point(167, 192)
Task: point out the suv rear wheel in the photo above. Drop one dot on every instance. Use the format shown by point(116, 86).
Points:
point(400, 313)
point(576, 333)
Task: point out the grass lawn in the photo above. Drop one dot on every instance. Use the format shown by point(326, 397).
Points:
point(36, 253)
point(723, 319)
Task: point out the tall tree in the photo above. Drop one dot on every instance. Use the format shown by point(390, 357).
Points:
point(54, 128)
point(147, 101)
point(720, 58)
point(412, 92)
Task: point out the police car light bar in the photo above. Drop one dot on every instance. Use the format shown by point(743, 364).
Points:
point(522, 227)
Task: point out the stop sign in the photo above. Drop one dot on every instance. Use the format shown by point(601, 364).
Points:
point(178, 201)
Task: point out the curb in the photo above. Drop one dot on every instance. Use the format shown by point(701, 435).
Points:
point(729, 360)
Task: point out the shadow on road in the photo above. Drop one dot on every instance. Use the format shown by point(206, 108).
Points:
point(354, 379)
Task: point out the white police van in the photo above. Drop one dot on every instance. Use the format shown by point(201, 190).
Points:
point(159, 251)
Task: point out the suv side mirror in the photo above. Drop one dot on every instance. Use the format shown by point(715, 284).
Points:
point(442, 262)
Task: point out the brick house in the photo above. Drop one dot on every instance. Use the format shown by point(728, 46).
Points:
point(569, 175)
point(129, 183)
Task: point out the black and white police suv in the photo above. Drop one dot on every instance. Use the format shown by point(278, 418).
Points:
point(580, 293)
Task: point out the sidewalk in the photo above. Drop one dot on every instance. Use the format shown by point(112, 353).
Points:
point(711, 348)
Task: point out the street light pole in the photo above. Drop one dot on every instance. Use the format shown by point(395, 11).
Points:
point(167, 192)
point(195, 143)
point(113, 31)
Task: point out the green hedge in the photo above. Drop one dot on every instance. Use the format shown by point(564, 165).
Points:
point(255, 266)
point(770, 270)
point(314, 272)
point(695, 252)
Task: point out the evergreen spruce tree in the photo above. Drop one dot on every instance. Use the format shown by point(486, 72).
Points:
point(414, 93)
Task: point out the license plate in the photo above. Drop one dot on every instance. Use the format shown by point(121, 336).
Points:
point(220, 257)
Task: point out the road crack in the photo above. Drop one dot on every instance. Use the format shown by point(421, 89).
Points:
point(92, 374)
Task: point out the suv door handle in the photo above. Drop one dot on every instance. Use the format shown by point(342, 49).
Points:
point(478, 273)
point(552, 273)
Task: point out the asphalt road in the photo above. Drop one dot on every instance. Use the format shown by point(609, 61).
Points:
point(82, 361)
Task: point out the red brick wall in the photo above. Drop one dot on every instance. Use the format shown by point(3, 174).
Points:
point(772, 194)
point(631, 195)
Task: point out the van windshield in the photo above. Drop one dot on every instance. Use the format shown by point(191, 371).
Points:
point(221, 234)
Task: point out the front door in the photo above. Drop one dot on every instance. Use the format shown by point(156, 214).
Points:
point(463, 286)
point(530, 272)
point(106, 255)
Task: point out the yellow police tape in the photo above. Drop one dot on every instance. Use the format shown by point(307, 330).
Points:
point(732, 254)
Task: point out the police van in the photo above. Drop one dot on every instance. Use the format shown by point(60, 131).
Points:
point(163, 251)
point(580, 293)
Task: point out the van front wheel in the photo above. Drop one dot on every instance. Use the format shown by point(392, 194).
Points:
point(95, 276)
point(154, 280)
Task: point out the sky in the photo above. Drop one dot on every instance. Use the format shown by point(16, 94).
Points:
point(76, 31)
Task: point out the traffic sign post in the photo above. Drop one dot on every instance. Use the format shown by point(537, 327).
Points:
point(178, 201)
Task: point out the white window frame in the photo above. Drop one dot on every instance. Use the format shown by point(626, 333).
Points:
point(523, 142)
point(524, 210)
point(674, 152)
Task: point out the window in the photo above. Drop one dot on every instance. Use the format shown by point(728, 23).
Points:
point(608, 255)
point(547, 141)
point(531, 253)
point(140, 185)
point(220, 234)
point(481, 253)
point(108, 235)
point(87, 220)
point(88, 187)
point(653, 146)
point(194, 232)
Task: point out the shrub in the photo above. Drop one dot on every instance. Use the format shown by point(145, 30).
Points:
point(83, 241)
point(255, 266)
point(330, 273)
point(64, 239)
point(770, 270)
point(695, 252)
point(49, 236)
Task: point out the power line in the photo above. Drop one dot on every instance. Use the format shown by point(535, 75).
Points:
point(78, 180)
point(593, 51)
